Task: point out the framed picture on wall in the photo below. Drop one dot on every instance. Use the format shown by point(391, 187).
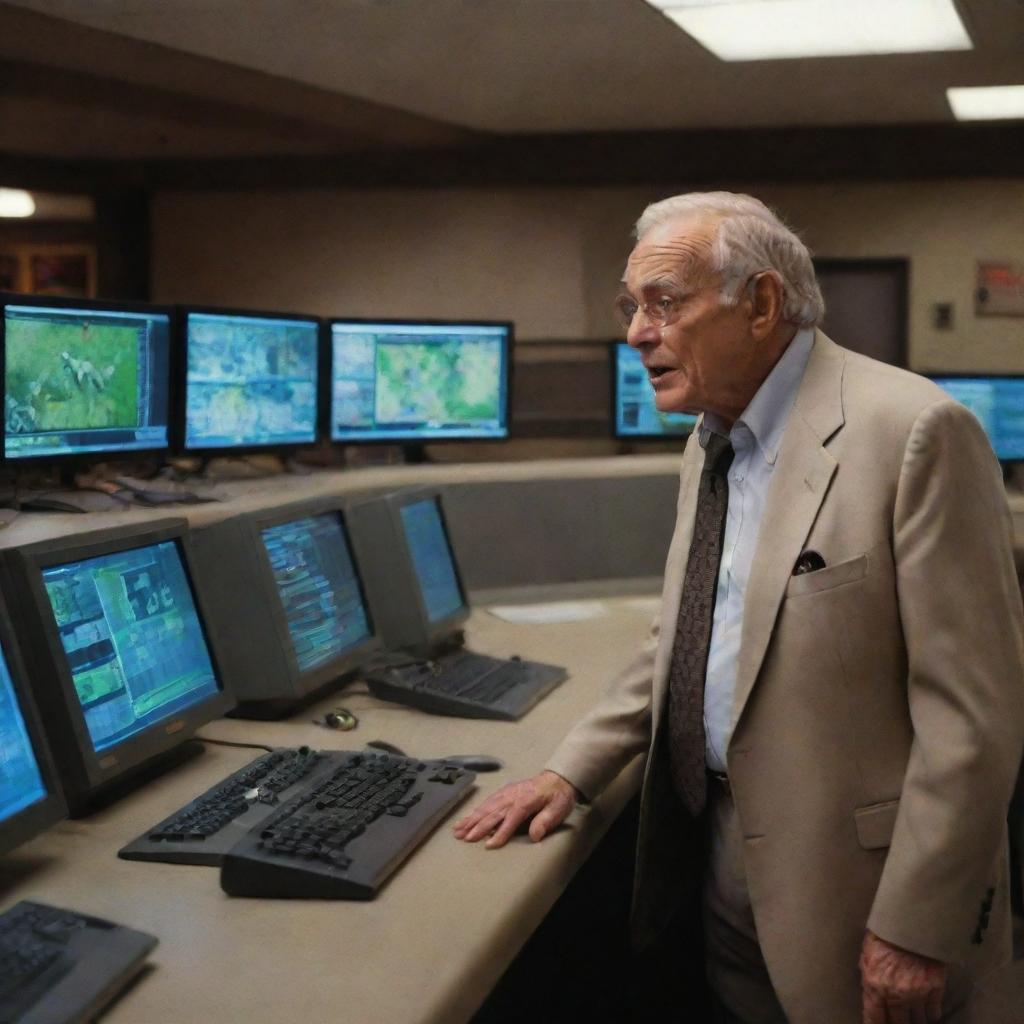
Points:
point(63, 270)
point(1000, 290)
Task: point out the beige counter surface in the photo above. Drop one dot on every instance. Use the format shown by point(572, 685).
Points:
point(1015, 499)
point(268, 492)
point(443, 929)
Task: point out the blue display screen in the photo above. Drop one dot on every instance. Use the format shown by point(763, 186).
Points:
point(418, 381)
point(133, 640)
point(432, 559)
point(636, 415)
point(318, 586)
point(998, 402)
point(21, 784)
point(84, 380)
point(251, 381)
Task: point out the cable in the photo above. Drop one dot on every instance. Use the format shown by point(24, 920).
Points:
point(232, 743)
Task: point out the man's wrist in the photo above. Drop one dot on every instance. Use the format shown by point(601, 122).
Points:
point(577, 795)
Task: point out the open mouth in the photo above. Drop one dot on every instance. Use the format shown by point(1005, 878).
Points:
point(656, 372)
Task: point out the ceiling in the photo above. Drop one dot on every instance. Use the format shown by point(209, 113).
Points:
point(216, 78)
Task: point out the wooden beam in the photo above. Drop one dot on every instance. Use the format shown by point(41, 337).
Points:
point(868, 153)
point(889, 152)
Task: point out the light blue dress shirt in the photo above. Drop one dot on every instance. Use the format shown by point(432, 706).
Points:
point(755, 438)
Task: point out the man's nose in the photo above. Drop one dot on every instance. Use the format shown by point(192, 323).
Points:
point(641, 330)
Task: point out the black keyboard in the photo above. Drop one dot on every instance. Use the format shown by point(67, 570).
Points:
point(465, 684)
point(59, 967)
point(348, 831)
point(207, 827)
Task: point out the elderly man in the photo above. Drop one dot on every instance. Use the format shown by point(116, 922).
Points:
point(832, 701)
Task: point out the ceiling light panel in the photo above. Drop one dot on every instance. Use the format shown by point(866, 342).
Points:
point(15, 202)
point(987, 103)
point(738, 30)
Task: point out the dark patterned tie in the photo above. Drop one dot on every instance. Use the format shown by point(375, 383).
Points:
point(693, 630)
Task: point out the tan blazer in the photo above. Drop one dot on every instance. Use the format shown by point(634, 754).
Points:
point(879, 701)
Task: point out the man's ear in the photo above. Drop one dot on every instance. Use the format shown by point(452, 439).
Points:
point(767, 297)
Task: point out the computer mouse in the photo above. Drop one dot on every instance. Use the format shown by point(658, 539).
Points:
point(475, 762)
point(338, 718)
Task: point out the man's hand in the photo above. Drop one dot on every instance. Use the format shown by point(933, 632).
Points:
point(547, 798)
point(900, 987)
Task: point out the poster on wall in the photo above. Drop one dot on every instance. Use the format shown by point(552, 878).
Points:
point(1000, 290)
point(49, 269)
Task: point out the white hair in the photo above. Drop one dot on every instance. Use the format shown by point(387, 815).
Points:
point(749, 238)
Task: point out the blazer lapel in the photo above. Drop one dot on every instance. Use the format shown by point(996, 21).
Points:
point(675, 570)
point(802, 476)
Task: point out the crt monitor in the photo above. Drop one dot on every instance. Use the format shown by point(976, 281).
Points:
point(30, 798)
point(250, 379)
point(635, 414)
point(412, 578)
point(419, 381)
point(83, 378)
point(117, 644)
point(998, 402)
point(287, 598)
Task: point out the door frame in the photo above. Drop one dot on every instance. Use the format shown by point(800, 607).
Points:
point(898, 263)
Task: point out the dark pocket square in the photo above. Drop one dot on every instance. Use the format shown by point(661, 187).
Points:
point(809, 561)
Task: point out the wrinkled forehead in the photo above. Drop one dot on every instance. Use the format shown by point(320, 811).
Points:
point(677, 252)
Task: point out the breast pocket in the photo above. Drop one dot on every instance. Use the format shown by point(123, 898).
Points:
point(828, 578)
point(876, 823)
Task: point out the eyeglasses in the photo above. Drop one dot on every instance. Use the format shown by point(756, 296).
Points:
point(660, 311)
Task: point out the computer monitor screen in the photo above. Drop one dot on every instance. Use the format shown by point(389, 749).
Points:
point(998, 402)
point(417, 381)
point(21, 781)
point(131, 634)
point(82, 379)
point(250, 381)
point(432, 559)
point(318, 586)
point(636, 415)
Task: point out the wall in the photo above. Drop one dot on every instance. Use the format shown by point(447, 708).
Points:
point(550, 258)
point(433, 253)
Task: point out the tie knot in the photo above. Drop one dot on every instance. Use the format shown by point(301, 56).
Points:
point(718, 454)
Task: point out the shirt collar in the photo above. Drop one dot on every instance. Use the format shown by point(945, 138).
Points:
point(768, 412)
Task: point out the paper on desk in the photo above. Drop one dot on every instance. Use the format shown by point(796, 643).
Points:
point(552, 611)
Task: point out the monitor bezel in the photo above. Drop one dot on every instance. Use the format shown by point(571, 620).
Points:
point(39, 816)
point(411, 496)
point(103, 768)
point(308, 681)
point(613, 362)
point(117, 454)
point(934, 375)
point(327, 399)
point(179, 373)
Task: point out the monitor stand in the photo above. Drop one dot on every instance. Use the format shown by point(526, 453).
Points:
point(414, 653)
point(80, 806)
point(415, 453)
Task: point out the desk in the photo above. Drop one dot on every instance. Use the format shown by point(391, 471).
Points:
point(443, 929)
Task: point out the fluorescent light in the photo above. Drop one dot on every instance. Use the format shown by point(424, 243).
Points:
point(14, 202)
point(737, 30)
point(987, 103)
